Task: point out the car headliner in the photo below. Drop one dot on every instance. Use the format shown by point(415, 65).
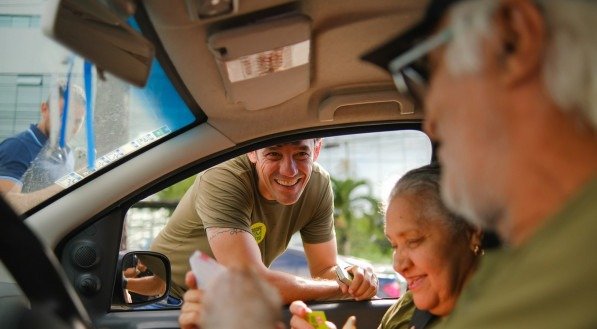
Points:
point(341, 31)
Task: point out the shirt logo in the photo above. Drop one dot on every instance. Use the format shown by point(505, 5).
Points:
point(258, 230)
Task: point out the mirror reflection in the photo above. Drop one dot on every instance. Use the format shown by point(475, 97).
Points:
point(143, 277)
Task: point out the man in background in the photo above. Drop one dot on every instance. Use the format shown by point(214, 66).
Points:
point(28, 161)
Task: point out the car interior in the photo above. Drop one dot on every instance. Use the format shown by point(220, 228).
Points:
point(252, 73)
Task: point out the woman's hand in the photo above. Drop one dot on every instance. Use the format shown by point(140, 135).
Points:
point(351, 323)
point(299, 312)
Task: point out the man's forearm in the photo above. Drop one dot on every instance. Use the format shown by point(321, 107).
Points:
point(147, 286)
point(236, 247)
point(293, 288)
point(21, 202)
point(328, 273)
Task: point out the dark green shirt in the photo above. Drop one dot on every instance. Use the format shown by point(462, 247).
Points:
point(550, 282)
point(398, 315)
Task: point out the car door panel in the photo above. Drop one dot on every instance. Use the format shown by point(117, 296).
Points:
point(89, 259)
point(368, 313)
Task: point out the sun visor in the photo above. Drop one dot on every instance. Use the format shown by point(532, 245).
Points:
point(271, 55)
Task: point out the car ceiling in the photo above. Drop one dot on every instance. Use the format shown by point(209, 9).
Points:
point(341, 31)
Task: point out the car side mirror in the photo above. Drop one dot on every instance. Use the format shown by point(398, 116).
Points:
point(142, 278)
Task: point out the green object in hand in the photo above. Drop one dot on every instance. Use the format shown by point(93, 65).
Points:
point(317, 319)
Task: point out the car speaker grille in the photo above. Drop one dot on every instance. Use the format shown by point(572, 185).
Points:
point(85, 256)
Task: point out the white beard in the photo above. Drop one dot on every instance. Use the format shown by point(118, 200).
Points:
point(457, 200)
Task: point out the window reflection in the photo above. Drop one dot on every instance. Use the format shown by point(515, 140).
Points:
point(125, 119)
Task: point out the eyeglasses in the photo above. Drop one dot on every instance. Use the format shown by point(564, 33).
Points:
point(410, 70)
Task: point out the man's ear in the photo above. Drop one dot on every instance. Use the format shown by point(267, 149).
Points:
point(252, 156)
point(521, 34)
point(317, 149)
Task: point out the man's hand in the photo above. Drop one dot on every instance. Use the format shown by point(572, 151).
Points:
point(8, 186)
point(364, 283)
point(21, 202)
point(190, 312)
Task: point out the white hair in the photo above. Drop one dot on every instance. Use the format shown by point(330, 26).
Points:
point(570, 65)
point(424, 184)
point(470, 22)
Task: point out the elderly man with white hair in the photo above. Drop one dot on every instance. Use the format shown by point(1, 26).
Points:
point(510, 93)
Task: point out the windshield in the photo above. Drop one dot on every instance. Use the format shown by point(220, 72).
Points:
point(63, 121)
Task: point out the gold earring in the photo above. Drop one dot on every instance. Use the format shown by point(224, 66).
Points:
point(478, 251)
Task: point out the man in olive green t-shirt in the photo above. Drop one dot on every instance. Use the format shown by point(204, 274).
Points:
point(244, 212)
point(510, 97)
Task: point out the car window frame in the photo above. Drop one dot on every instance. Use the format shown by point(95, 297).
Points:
point(326, 132)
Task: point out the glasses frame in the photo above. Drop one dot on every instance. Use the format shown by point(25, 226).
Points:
point(410, 81)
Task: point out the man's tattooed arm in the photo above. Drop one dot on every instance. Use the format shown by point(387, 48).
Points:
point(214, 232)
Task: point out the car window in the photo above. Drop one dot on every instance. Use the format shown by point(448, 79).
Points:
point(122, 119)
point(362, 166)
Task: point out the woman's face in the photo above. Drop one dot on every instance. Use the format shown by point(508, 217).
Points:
point(427, 254)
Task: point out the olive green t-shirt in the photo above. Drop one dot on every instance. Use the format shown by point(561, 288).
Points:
point(227, 196)
point(398, 315)
point(549, 282)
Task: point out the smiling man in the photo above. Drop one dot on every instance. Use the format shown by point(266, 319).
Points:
point(244, 212)
point(510, 93)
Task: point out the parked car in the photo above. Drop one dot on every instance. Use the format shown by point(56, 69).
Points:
point(180, 86)
point(391, 285)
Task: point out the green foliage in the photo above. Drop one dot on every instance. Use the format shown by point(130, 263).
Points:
point(176, 191)
point(358, 221)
